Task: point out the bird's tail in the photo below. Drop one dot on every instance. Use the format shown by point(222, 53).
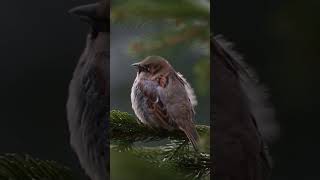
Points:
point(192, 135)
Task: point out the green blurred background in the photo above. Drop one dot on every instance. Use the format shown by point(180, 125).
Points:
point(280, 39)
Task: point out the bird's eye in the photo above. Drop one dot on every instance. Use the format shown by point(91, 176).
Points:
point(147, 68)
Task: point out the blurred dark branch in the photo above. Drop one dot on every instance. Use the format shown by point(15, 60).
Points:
point(14, 166)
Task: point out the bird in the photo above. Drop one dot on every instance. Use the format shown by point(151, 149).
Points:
point(243, 117)
point(162, 98)
point(87, 106)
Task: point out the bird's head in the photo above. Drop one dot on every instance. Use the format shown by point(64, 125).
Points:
point(97, 15)
point(152, 66)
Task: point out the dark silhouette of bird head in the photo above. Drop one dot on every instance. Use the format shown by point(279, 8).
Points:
point(96, 15)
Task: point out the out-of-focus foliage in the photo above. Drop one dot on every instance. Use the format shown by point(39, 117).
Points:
point(126, 166)
point(156, 164)
point(123, 10)
point(202, 70)
point(175, 156)
point(24, 167)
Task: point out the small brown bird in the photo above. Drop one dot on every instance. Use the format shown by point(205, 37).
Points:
point(162, 98)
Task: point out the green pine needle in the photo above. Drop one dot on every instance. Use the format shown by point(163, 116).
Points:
point(24, 167)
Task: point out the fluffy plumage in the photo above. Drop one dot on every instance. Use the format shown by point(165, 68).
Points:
point(162, 98)
point(242, 118)
point(256, 92)
point(88, 101)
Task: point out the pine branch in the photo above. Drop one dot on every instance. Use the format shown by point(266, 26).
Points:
point(24, 167)
point(176, 155)
point(184, 160)
point(125, 127)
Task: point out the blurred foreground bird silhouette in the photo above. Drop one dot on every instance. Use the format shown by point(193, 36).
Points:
point(88, 101)
point(243, 118)
point(162, 98)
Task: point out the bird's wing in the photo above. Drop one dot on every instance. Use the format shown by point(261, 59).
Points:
point(190, 92)
point(182, 112)
point(155, 98)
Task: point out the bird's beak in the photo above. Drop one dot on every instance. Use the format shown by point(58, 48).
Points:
point(137, 65)
point(86, 13)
